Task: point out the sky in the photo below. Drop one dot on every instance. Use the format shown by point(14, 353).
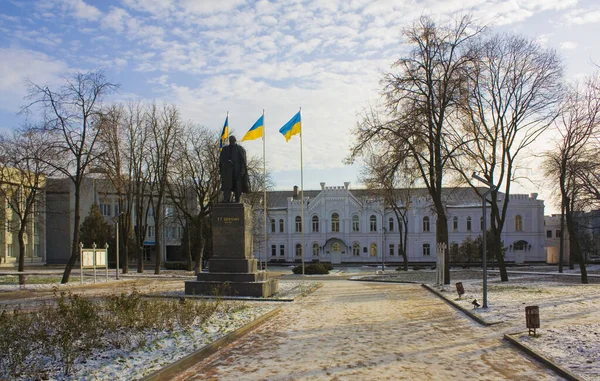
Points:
point(211, 57)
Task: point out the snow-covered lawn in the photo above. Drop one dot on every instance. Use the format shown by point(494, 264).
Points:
point(569, 332)
point(152, 350)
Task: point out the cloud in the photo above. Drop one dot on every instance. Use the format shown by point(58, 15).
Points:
point(568, 45)
point(116, 19)
point(81, 10)
point(583, 16)
point(18, 66)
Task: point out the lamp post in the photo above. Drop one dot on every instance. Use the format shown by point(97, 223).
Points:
point(383, 230)
point(492, 187)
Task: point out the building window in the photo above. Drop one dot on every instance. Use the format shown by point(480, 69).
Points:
point(373, 250)
point(426, 249)
point(391, 224)
point(373, 223)
point(481, 223)
point(335, 247)
point(281, 225)
point(335, 222)
point(105, 209)
point(425, 224)
point(356, 249)
point(455, 224)
point(355, 223)
point(150, 212)
point(315, 224)
point(273, 247)
point(298, 250)
point(469, 223)
point(558, 234)
point(520, 245)
point(548, 233)
point(9, 250)
point(316, 249)
point(298, 224)
point(282, 250)
point(151, 231)
point(116, 208)
point(180, 231)
point(518, 223)
point(36, 250)
point(272, 225)
point(391, 249)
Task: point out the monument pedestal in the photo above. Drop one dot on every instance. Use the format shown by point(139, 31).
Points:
point(232, 270)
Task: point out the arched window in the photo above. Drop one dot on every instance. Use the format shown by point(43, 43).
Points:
point(455, 223)
point(426, 249)
point(335, 222)
point(425, 224)
point(355, 223)
point(298, 224)
point(373, 223)
point(315, 224)
point(298, 250)
point(356, 249)
point(281, 226)
point(391, 224)
point(273, 249)
point(469, 223)
point(272, 225)
point(336, 247)
point(373, 250)
point(518, 223)
point(315, 249)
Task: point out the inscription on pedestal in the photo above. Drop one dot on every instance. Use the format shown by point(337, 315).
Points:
point(232, 231)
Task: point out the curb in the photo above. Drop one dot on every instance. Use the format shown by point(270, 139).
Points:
point(169, 371)
point(544, 360)
point(460, 308)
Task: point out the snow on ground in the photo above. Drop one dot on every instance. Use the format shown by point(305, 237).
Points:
point(161, 348)
point(569, 332)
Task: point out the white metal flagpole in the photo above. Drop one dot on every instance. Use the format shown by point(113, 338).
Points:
point(265, 187)
point(302, 191)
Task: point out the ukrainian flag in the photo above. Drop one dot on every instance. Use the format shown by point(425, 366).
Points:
point(292, 127)
point(224, 133)
point(256, 131)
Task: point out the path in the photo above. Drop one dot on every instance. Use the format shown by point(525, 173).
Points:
point(369, 331)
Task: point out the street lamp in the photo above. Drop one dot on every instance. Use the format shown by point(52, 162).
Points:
point(492, 187)
point(383, 249)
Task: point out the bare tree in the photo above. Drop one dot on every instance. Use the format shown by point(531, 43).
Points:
point(392, 182)
point(514, 89)
point(164, 126)
point(72, 119)
point(421, 97)
point(195, 177)
point(23, 171)
point(573, 163)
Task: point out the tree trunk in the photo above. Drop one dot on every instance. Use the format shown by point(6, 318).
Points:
point(21, 237)
point(75, 241)
point(575, 245)
point(140, 258)
point(200, 250)
point(441, 235)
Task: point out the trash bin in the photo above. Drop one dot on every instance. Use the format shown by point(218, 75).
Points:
point(460, 289)
point(532, 318)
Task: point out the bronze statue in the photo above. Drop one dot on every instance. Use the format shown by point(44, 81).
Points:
point(234, 171)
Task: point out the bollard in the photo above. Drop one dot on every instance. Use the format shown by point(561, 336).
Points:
point(460, 289)
point(532, 318)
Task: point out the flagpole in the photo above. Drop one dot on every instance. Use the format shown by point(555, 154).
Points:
point(265, 187)
point(302, 190)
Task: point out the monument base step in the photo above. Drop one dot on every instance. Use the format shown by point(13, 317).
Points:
point(259, 276)
point(262, 289)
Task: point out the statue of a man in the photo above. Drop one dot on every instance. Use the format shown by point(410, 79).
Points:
point(234, 172)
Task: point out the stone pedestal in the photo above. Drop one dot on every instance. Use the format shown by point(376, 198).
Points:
point(232, 270)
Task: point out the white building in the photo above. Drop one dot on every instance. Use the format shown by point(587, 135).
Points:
point(343, 225)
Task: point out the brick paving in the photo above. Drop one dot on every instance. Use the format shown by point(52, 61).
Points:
point(369, 331)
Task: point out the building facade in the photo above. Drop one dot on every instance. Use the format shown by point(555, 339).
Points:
point(343, 225)
point(59, 219)
point(14, 189)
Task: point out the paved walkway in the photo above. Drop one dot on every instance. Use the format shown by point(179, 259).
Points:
point(369, 331)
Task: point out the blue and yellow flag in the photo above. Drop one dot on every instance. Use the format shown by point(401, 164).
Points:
point(256, 131)
point(224, 133)
point(292, 127)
